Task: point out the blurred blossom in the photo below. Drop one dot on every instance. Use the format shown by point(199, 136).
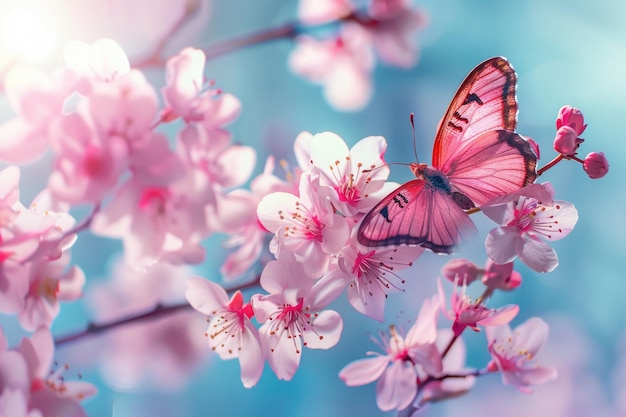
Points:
point(342, 65)
point(462, 270)
point(513, 353)
point(159, 352)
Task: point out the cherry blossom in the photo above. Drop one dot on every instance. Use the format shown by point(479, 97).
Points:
point(397, 369)
point(38, 100)
point(350, 189)
point(49, 283)
point(230, 333)
point(372, 274)
point(393, 27)
point(102, 61)
point(526, 216)
point(87, 165)
point(596, 165)
point(50, 391)
point(501, 276)
point(513, 353)
point(126, 107)
point(305, 225)
point(342, 65)
point(156, 222)
point(468, 313)
point(292, 316)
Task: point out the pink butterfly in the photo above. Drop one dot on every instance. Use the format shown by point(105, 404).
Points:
point(476, 157)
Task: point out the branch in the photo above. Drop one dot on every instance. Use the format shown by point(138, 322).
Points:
point(156, 312)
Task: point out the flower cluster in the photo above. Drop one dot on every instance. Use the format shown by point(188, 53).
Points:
point(102, 123)
point(343, 62)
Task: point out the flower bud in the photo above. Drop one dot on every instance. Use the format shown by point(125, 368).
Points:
point(462, 270)
point(596, 165)
point(572, 117)
point(566, 140)
point(501, 277)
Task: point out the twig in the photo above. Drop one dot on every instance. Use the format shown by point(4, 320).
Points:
point(156, 312)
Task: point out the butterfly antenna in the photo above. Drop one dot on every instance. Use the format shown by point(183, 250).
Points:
point(412, 120)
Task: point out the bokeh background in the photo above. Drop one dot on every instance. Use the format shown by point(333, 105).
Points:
point(564, 51)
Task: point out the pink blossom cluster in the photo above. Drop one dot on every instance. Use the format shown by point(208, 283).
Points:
point(102, 122)
point(313, 221)
point(343, 62)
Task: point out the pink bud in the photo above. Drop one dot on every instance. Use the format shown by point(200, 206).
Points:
point(572, 117)
point(462, 270)
point(501, 277)
point(566, 140)
point(596, 165)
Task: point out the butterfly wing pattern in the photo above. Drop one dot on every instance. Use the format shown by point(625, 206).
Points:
point(476, 156)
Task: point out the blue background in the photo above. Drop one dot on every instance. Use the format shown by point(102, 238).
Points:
point(565, 52)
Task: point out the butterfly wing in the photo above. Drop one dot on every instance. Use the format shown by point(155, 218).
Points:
point(416, 214)
point(498, 162)
point(475, 146)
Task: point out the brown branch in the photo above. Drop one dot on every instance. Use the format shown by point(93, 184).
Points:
point(156, 312)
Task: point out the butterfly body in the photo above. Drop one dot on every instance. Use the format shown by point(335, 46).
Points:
point(477, 156)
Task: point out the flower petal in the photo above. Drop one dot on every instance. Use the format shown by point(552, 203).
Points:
point(536, 254)
point(364, 371)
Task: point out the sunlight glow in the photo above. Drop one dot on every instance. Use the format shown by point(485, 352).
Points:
point(27, 33)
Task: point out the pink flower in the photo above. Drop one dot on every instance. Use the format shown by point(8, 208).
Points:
point(397, 370)
point(50, 392)
point(501, 277)
point(342, 66)
point(526, 216)
point(393, 25)
point(38, 100)
point(14, 382)
point(342, 175)
point(87, 165)
point(315, 12)
point(452, 364)
point(372, 274)
point(460, 270)
point(572, 117)
point(187, 95)
point(230, 333)
point(209, 150)
point(513, 353)
point(469, 313)
point(566, 141)
point(305, 225)
point(101, 62)
point(125, 107)
point(156, 222)
point(235, 214)
point(291, 314)
point(50, 282)
point(596, 165)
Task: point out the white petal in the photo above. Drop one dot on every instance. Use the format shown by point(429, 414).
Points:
point(325, 331)
point(205, 296)
point(536, 254)
point(500, 244)
point(364, 371)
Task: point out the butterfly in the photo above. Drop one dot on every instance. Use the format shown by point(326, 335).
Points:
point(476, 156)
